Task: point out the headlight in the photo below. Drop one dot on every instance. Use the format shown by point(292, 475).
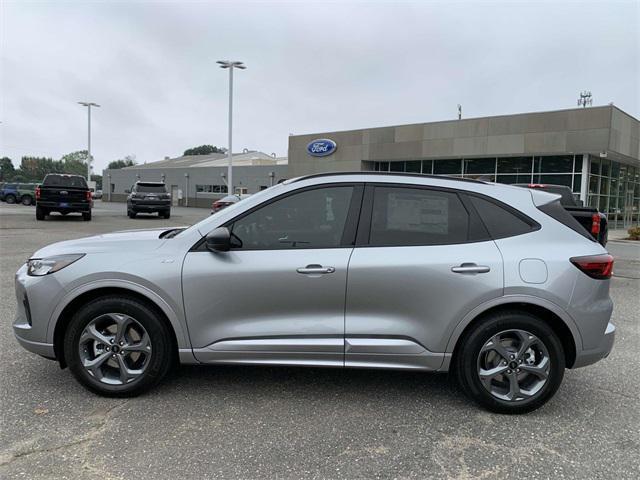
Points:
point(37, 267)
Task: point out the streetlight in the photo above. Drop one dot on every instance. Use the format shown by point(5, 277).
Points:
point(89, 105)
point(230, 64)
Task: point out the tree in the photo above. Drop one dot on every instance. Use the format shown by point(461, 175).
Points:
point(128, 161)
point(98, 180)
point(79, 156)
point(7, 171)
point(204, 150)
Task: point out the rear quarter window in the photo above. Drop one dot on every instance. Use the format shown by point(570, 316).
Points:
point(500, 220)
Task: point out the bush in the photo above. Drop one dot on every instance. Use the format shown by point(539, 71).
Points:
point(634, 233)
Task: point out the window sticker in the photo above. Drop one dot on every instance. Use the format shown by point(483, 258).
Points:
point(418, 213)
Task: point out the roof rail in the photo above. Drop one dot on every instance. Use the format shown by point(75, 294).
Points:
point(369, 172)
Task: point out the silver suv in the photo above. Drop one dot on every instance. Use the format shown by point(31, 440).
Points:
point(496, 284)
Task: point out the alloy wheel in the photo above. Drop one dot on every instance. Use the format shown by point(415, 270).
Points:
point(115, 349)
point(514, 365)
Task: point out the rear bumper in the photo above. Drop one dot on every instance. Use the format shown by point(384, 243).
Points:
point(71, 207)
point(150, 206)
point(588, 357)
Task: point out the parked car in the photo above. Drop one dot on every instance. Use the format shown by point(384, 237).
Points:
point(9, 190)
point(26, 193)
point(590, 218)
point(97, 194)
point(224, 202)
point(149, 197)
point(495, 284)
point(64, 194)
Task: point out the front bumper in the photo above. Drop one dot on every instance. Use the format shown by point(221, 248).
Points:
point(36, 298)
point(588, 357)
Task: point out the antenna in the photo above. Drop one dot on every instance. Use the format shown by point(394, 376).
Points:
point(585, 99)
point(459, 112)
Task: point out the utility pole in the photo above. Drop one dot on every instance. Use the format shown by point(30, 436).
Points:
point(585, 99)
point(89, 105)
point(230, 64)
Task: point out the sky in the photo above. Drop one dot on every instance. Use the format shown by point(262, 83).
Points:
point(311, 67)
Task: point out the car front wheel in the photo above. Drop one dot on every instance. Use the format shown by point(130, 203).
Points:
point(510, 362)
point(118, 347)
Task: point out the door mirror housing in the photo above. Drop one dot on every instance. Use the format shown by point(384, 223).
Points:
point(219, 240)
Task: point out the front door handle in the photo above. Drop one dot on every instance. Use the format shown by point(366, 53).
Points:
point(315, 269)
point(470, 268)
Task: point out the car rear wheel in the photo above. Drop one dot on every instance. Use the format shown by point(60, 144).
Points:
point(26, 200)
point(86, 216)
point(510, 362)
point(117, 346)
point(166, 214)
point(41, 213)
point(10, 199)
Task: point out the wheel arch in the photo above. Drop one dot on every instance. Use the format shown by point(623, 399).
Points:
point(562, 325)
point(63, 314)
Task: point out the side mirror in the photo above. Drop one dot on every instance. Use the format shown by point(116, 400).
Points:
point(219, 240)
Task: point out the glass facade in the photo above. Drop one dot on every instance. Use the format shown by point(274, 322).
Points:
point(613, 187)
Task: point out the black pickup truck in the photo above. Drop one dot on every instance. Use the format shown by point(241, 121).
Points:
point(64, 194)
point(589, 217)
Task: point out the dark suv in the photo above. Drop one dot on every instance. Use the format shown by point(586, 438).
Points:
point(149, 197)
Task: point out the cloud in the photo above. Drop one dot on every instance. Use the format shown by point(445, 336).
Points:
point(311, 67)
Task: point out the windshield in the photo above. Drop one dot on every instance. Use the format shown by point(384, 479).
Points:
point(64, 181)
point(150, 188)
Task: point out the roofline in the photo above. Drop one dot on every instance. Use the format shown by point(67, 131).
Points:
point(390, 174)
point(467, 119)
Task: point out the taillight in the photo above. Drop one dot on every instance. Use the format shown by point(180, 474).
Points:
point(595, 266)
point(88, 195)
point(595, 224)
point(37, 193)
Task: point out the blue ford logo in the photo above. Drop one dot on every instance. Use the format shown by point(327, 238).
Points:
point(321, 147)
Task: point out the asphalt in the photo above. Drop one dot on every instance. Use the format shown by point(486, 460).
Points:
point(256, 422)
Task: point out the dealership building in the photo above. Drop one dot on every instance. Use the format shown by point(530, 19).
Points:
point(594, 151)
point(197, 180)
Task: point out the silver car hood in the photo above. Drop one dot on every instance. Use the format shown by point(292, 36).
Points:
point(124, 241)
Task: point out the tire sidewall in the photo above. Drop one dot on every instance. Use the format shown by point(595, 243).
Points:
point(467, 358)
point(161, 346)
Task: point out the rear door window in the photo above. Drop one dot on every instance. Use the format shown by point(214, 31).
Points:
point(403, 216)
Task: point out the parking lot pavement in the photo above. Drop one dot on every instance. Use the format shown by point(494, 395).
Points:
point(242, 422)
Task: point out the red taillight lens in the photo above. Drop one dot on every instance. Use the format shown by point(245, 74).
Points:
point(37, 193)
point(595, 224)
point(88, 194)
point(595, 266)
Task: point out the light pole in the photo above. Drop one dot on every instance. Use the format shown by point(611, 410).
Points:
point(89, 105)
point(230, 64)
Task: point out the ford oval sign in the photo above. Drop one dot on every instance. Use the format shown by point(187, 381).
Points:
point(321, 147)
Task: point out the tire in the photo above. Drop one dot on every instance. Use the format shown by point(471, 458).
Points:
point(511, 329)
point(166, 214)
point(103, 381)
point(40, 213)
point(10, 199)
point(131, 214)
point(26, 200)
point(86, 216)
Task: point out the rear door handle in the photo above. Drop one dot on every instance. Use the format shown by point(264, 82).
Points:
point(470, 268)
point(315, 269)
